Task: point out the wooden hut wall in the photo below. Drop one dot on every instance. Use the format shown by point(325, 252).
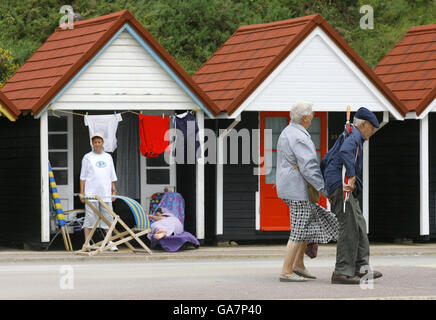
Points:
point(394, 181)
point(186, 186)
point(20, 180)
point(210, 189)
point(432, 173)
point(240, 186)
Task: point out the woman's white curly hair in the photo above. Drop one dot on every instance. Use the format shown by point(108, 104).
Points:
point(300, 109)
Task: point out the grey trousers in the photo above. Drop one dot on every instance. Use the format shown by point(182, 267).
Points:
point(352, 251)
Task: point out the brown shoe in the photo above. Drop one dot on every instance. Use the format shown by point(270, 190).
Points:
point(341, 279)
point(372, 275)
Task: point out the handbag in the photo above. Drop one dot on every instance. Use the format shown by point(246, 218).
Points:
point(314, 194)
point(312, 250)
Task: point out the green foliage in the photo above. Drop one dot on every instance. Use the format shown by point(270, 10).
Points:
point(191, 31)
point(7, 66)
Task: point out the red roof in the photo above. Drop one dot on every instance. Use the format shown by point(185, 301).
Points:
point(249, 56)
point(9, 106)
point(67, 51)
point(409, 69)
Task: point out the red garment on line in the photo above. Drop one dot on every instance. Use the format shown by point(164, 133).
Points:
point(152, 130)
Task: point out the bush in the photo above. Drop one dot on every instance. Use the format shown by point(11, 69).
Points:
point(191, 31)
point(7, 66)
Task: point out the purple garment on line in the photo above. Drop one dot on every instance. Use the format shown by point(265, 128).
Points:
point(174, 243)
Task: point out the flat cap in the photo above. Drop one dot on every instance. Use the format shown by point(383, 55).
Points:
point(367, 115)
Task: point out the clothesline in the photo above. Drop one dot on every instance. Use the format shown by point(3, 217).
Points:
point(82, 115)
point(153, 131)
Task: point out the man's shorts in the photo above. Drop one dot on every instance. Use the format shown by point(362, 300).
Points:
point(91, 217)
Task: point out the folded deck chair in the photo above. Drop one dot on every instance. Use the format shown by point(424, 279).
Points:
point(68, 221)
point(174, 202)
point(56, 206)
point(73, 220)
point(115, 237)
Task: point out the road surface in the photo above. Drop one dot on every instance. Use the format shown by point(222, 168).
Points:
point(410, 277)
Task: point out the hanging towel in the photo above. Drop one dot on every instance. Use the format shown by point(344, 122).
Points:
point(187, 123)
point(153, 132)
point(106, 125)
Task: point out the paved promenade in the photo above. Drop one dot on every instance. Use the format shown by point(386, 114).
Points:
point(244, 272)
point(8, 255)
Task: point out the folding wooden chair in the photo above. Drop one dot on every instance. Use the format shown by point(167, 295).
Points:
point(117, 237)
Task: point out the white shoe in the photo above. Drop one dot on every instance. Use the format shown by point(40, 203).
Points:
point(303, 273)
point(114, 248)
point(291, 277)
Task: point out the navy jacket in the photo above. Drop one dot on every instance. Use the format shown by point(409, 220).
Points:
point(346, 157)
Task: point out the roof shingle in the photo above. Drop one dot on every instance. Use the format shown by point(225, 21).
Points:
point(409, 69)
point(254, 51)
point(67, 51)
point(53, 64)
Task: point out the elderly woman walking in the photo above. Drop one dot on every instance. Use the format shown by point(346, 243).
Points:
point(297, 165)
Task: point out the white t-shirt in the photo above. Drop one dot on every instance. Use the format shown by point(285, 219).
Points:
point(106, 125)
point(98, 171)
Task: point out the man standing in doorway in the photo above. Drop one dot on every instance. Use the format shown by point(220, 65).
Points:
point(352, 253)
point(97, 178)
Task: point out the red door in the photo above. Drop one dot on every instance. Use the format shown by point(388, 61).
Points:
point(274, 215)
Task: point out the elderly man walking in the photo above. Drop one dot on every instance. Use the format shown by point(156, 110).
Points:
point(352, 253)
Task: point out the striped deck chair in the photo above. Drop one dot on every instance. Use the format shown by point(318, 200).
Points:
point(59, 211)
point(114, 236)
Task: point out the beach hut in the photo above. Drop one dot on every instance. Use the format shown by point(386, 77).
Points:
point(404, 156)
point(254, 78)
point(104, 65)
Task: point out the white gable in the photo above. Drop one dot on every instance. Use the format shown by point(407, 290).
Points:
point(317, 71)
point(430, 108)
point(124, 76)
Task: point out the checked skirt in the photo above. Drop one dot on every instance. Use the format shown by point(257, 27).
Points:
point(311, 222)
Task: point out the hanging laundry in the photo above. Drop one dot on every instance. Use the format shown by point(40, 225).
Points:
point(106, 125)
point(187, 123)
point(153, 132)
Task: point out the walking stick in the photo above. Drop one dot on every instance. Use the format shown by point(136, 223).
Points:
point(59, 212)
point(346, 195)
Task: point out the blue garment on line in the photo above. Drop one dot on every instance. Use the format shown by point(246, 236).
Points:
point(188, 125)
